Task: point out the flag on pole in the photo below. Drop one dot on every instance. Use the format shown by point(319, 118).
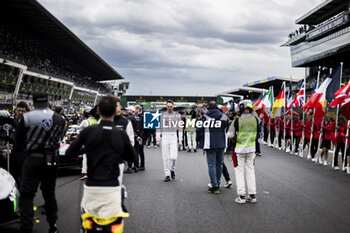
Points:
point(345, 108)
point(334, 84)
point(289, 98)
point(319, 99)
point(279, 103)
point(341, 95)
point(299, 98)
point(265, 105)
point(256, 104)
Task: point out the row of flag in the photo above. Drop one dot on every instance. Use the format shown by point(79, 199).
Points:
point(317, 103)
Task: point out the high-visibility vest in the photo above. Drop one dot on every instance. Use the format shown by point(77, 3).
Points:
point(247, 131)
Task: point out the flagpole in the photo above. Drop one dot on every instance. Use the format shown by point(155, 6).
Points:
point(292, 119)
point(313, 114)
point(284, 118)
point(336, 116)
point(303, 133)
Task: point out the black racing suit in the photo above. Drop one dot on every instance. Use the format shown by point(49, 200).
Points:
point(105, 147)
point(139, 133)
point(41, 131)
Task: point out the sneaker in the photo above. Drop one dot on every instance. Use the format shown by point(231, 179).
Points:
point(167, 179)
point(228, 184)
point(214, 190)
point(296, 153)
point(189, 150)
point(155, 146)
point(53, 228)
point(287, 150)
point(280, 148)
point(172, 175)
point(325, 163)
point(195, 151)
point(141, 168)
point(83, 176)
point(313, 159)
point(344, 169)
point(149, 146)
point(320, 161)
point(251, 199)
point(240, 200)
point(336, 168)
point(128, 170)
point(209, 185)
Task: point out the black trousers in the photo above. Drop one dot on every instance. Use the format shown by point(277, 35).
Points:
point(140, 158)
point(225, 172)
point(35, 171)
point(151, 136)
point(17, 160)
point(272, 135)
point(314, 147)
point(340, 147)
point(297, 142)
point(280, 136)
point(265, 134)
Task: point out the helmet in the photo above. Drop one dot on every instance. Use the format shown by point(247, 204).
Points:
point(245, 104)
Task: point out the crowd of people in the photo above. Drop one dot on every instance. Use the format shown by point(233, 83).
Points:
point(306, 138)
point(19, 49)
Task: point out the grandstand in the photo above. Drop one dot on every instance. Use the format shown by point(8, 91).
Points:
point(322, 40)
point(39, 54)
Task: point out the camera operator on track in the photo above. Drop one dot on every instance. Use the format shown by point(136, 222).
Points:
point(41, 130)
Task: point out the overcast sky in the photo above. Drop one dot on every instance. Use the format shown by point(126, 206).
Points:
point(186, 47)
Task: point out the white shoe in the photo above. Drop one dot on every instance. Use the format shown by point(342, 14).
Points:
point(320, 161)
point(336, 168)
point(251, 199)
point(313, 160)
point(344, 170)
point(325, 163)
point(240, 200)
point(296, 153)
point(301, 154)
point(280, 148)
point(287, 150)
point(228, 184)
point(209, 185)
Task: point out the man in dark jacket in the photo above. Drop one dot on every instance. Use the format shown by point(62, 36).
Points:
point(211, 131)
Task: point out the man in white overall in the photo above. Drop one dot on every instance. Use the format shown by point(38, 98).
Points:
point(171, 125)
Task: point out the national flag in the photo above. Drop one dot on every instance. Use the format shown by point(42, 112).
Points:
point(299, 98)
point(256, 104)
point(341, 95)
point(318, 100)
point(345, 108)
point(279, 103)
point(334, 84)
point(265, 105)
point(289, 98)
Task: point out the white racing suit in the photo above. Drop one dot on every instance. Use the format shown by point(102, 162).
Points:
point(169, 142)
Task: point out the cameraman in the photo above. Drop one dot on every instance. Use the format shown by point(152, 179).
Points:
point(41, 131)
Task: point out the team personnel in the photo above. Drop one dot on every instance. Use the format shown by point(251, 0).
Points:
point(123, 123)
point(191, 132)
point(213, 141)
point(307, 136)
point(18, 152)
point(90, 120)
point(137, 118)
point(168, 139)
point(105, 147)
point(41, 130)
point(246, 130)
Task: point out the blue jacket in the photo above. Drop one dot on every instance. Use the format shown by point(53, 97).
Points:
point(213, 137)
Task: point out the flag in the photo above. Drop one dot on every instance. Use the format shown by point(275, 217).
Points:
point(345, 108)
point(289, 98)
point(265, 105)
point(299, 98)
point(334, 84)
point(279, 103)
point(318, 100)
point(258, 101)
point(341, 95)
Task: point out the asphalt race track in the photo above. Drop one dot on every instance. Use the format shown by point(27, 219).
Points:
point(294, 195)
